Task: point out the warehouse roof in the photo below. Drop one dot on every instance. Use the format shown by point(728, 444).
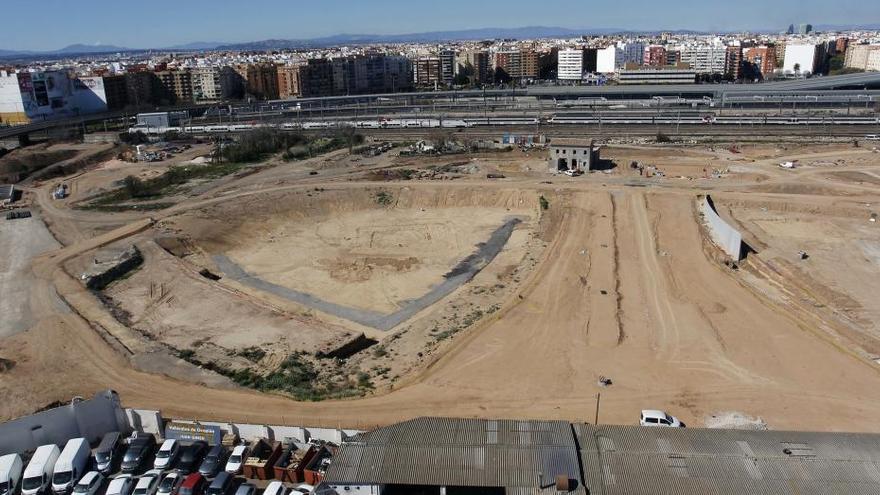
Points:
point(7, 192)
point(633, 460)
point(520, 456)
point(636, 460)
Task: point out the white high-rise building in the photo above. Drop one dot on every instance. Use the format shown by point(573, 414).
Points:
point(800, 59)
point(571, 64)
point(609, 59)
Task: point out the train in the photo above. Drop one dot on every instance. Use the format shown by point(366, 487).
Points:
point(431, 123)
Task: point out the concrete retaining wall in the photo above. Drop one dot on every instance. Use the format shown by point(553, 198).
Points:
point(90, 419)
point(726, 237)
point(93, 418)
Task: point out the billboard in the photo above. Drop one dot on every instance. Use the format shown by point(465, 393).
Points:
point(190, 432)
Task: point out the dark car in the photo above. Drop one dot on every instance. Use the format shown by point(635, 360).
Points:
point(191, 456)
point(214, 462)
point(108, 453)
point(139, 453)
point(223, 484)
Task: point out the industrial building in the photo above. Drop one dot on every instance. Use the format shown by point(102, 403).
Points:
point(575, 155)
point(161, 119)
point(459, 456)
point(452, 456)
point(7, 194)
point(26, 97)
point(656, 75)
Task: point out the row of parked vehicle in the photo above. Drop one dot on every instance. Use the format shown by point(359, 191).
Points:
point(147, 468)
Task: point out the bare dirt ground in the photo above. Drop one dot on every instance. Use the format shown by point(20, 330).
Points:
point(614, 279)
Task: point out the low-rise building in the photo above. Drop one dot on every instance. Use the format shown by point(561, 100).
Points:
point(575, 155)
point(656, 75)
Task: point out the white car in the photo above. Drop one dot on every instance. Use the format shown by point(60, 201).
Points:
point(89, 484)
point(167, 454)
point(654, 417)
point(236, 459)
point(148, 483)
point(275, 488)
point(120, 485)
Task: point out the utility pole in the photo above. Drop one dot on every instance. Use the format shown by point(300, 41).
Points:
point(598, 398)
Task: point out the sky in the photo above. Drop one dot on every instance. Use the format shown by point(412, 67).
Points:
point(53, 24)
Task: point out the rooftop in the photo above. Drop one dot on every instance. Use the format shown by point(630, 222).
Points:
point(522, 456)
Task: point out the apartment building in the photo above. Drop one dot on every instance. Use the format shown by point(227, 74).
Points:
point(633, 52)
point(760, 60)
point(518, 64)
point(206, 84)
point(474, 64)
point(705, 59)
point(447, 66)
point(176, 86)
point(261, 80)
point(570, 64)
point(426, 72)
point(800, 58)
point(609, 59)
point(733, 62)
point(288, 81)
point(858, 56)
point(655, 56)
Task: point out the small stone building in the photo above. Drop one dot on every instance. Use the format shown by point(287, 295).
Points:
point(572, 154)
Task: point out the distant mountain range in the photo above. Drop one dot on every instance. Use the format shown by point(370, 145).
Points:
point(529, 32)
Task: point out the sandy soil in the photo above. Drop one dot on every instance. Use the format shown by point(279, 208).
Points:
point(617, 281)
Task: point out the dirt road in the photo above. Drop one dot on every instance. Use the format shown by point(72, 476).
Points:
point(624, 290)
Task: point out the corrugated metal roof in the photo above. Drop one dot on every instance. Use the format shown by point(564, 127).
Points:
point(616, 460)
point(642, 460)
point(6, 192)
point(518, 455)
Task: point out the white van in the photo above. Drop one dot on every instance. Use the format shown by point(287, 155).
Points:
point(10, 473)
point(38, 473)
point(72, 464)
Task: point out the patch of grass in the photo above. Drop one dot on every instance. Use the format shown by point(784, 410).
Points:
point(253, 354)
point(296, 376)
point(135, 189)
point(186, 354)
point(384, 199)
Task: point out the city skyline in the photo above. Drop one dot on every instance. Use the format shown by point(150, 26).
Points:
point(169, 24)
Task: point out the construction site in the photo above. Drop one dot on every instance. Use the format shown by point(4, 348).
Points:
point(729, 281)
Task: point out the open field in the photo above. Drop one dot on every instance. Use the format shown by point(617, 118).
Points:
point(299, 267)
